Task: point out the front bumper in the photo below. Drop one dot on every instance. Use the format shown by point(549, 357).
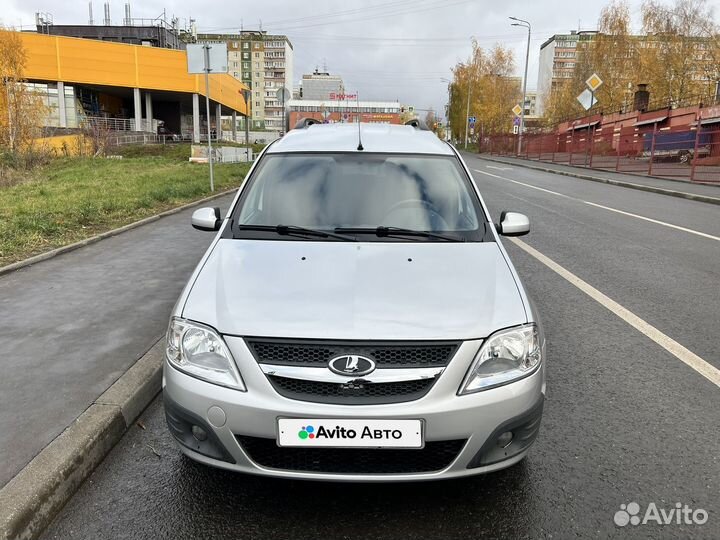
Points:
point(474, 421)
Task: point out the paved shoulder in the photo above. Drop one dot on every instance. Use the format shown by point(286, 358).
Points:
point(73, 324)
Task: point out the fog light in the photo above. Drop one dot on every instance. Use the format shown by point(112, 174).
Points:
point(504, 440)
point(199, 433)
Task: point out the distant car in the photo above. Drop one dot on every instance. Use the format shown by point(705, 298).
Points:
point(679, 146)
point(356, 318)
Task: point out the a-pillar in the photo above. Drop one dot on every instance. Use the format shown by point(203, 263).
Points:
point(196, 118)
point(138, 109)
point(62, 111)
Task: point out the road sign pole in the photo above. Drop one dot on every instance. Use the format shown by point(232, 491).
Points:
point(206, 48)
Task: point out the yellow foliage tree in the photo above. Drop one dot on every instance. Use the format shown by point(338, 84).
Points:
point(678, 57)
point(493, 91)
point(682, 58)
point(21, 110)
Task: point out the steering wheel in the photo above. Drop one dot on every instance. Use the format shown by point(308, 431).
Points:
point(433, 211)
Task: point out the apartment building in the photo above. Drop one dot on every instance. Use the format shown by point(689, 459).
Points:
point(321, 85)
point(558, 58)
point(264, 62)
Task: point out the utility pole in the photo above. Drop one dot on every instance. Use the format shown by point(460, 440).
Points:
point(526, 24)
point(206, 49)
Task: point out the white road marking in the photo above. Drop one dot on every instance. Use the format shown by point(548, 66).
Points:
point(673, 347)
point(499, 168)
point(609, 209)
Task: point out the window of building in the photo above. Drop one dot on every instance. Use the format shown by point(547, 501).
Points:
point(257, 75)
point(246, 56)
point(246, 45)
point(257, 103)
point(257, 45)
point(257, 55)
point(246, 65)
point(246, 75)
point(235, 44)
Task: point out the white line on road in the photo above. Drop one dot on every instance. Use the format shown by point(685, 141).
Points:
point(673, 347)
point(663, 223)
point(499, 168)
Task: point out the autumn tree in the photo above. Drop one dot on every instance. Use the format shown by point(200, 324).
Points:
point(21, 110)
point(677, 56)
point(493, 91)
point(682, 59)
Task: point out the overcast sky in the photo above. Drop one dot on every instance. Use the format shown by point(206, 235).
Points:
point(396, 49)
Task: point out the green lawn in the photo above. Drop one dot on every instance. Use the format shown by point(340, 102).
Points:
point(74, 198)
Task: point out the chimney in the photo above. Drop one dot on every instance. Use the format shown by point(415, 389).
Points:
point(641, 99)
point(107, 14)
point(128, 20)
point(90, 20)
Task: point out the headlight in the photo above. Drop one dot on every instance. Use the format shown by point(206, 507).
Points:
point(505, 356)
point(199, 351)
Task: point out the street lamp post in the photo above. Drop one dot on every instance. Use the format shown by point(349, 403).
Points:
point(526, 24)
point(467, 113)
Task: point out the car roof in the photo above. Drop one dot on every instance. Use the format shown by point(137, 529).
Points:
point(375, 138)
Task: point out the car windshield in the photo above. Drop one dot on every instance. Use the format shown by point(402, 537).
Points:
point(362, 191)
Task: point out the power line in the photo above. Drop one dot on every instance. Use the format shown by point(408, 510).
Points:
point(435, 4)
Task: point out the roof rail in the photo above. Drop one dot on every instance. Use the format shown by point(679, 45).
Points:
point(417, 124)
point(306, 122)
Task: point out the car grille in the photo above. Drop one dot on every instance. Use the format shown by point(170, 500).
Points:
point(351, 393)
point(435, 456)
point(319, 353)
point(313, 354)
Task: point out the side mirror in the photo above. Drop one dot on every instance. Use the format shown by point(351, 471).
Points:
point(513, 224)
point(206, 219)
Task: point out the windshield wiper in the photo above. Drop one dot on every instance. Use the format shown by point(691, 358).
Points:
point(382, 232)
point(294, 229)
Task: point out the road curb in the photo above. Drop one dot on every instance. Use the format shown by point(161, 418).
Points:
point(31, 500)
point(640, 187)
point(107, 234)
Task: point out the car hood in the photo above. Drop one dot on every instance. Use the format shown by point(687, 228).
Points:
point(351, 290)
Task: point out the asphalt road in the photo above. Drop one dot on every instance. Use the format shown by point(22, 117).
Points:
point(73, 324)
point(625, 420)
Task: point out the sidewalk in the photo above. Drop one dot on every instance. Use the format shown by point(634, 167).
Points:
point(73, 324)
point(657, 185)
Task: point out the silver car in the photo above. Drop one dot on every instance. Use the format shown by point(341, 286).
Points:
point(356, 318)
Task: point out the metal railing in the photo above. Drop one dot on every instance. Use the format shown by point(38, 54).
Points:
point(686, 152)
point(116, 124)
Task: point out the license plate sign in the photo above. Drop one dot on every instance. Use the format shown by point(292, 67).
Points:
point(340, 433)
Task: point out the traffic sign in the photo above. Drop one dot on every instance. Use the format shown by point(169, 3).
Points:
point(471, 120)
point(516, 129)
point(594, 82)
point(517, 110)
point(516, 121)
point(587, 99)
